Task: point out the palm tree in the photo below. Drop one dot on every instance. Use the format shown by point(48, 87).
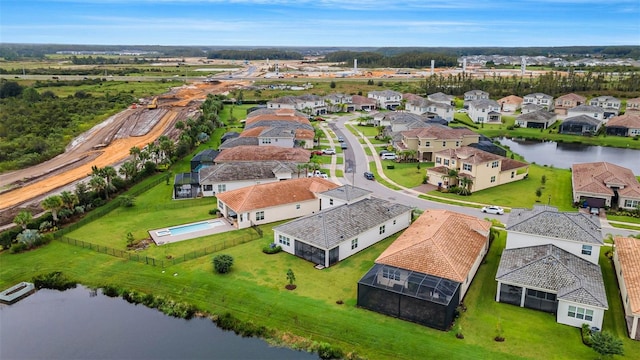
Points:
point(97, 184)
point(23, 218)
point(167, 146)
point(452, 177)
point(135, 151)
point(465, 186)
point(69, 200)
point(54, 204)
point(28, 237)
point(128, 170)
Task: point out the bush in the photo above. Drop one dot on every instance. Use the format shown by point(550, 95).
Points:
point(55, 280)
point(222, 263)
point(110, 291)
point(327, 352)
point(272, 249)
point(586, 335)
point(213, 211)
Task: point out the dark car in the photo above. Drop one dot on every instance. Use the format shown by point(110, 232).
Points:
point(343, 146)
point(369, 175)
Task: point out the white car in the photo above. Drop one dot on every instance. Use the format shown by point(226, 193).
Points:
point(493, 210)
point(330, 151)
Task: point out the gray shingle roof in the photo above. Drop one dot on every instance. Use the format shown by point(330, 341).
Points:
point(587, 108)
point(347, 192)
point(328, 228)
point(279, 123)
point(548, 221)
point(239, 141)
point(233, 171)
point(581, 119)
point(555, 270)
point(539, 115)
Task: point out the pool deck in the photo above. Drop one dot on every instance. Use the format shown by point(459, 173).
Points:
point(167, 239)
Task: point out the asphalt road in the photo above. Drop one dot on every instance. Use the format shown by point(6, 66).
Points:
point(357, 162)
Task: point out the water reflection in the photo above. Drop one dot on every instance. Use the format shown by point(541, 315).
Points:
point(563, 155)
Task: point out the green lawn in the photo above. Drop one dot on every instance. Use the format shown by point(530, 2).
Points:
point(405, 174)
point(628, 219)
point(138, 88)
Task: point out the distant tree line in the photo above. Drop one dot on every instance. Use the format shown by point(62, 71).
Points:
point(101, 60)
point(552, 83)
point(67, 71)
point(412, 59)
point(254, 54)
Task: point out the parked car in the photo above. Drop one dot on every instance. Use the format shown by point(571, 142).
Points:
point(329, 151)
point(497, 210)
point(388, 156)
point(384, 152)
point(369, 175)
point(595, 211)
point(343, 146)
point(317, 152)
point(340, 139)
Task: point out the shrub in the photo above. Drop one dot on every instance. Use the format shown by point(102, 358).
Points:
point(54, 280)
point(586, 335)
point(213, 211)
point(110, 291)
point(272, 249)
point(327, 352)
point(222, 263)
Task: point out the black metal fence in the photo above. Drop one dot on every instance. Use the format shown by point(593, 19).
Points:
point(134, 256)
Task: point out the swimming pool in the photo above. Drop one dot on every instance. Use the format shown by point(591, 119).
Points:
point(188, 228)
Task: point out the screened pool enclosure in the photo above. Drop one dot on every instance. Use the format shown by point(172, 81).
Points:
point(424, 299)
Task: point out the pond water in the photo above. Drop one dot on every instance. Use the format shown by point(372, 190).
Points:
point(76, 325)
point(563, 155)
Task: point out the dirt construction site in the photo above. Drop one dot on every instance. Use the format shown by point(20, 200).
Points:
point(106, 144)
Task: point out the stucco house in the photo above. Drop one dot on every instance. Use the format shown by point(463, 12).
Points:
point(580, 125)
point(568, 101)
point(361, 103)
point(626, 260)
point(421, 106)
point(624, 125)
point(550, 263)
point(308, 104)
point(511, 103)
point(540, 119)
point(474, 95)
point(386, 99)
point(544, 100)
point(441, 98)
point(266, 203)
point(424, 274)
point(235, 175)
point(338, 102)
point(633, 106)
point(600, 184)
point(482, 168)
point(484, 111)
point(350, 221)
point(263, 153)
point(529, 108)
point(595, 112)
point(610, 104)
point(432, 139)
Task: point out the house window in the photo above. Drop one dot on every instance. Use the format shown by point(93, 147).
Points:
point(631, 203)
point(354, 243)
point(222, 188)
point(444, 143)
point(438, 160)
point(428, 143)
point(394, 222)
point(330, 201)
point(266, 141)
point(513, 174)
point(495, 164)
point(493, 179)
point(586, 249)
point(457, 143)
point(382, 229)
point(297, 206)
point(580, 313)
point(207, 188)
point(392, 274)
point(446, 161)
point(259, 215)
point(284, 240)
point(467, 167)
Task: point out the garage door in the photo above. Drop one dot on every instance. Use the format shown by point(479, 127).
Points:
point(594, 202)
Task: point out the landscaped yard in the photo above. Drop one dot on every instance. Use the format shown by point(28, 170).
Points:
point(408, 175)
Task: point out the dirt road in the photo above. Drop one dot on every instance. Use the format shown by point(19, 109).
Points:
point(105, 144)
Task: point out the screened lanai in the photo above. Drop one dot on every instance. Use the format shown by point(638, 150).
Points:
point(425, 299)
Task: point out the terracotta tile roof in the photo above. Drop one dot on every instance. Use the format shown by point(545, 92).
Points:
point(438, 132)
point(274, 194)
point(304, 134)
point(593, 177)
point(511, 99)
point(572, 96)
point(470, 155)
point(253, 132)
point(362, 100)
point(298, 119)
point(509, 164)
point(441, 243)
point(630, 121)
point(412, 97)
point(628, 252)
point(261, 153)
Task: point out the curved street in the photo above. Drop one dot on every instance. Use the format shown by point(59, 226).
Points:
point(356, 162)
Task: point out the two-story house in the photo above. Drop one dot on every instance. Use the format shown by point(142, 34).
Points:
point(482, 169)
point(550, 263)
point(441, 98)
point(609, 104)
point(308, 104)
point(339, 103)
point(593, 111)
point(633, 106)
point(386, 99)
point(474, 95)
point(421, 106)
point(484, 111)
point(432, 139)
point(568, 101)
point(511, 103)
point(544, 100)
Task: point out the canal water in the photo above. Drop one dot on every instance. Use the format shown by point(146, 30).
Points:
point(74, 324)
point(564, 155)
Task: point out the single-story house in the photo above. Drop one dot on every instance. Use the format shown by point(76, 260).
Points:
point(362, 103)
point(600, 184)
point(580, 125)
point(441, 98)
point(263, 153)
point(550, 279)
point(540, 119)
point(203, 159)
point(339, 231)
point(511, 103)
point(235, 175)
point(529, 108)
point(626, 259)
point(589, 110)
point(266, 203)
point(624, 125)
point(425, 273)
point(568, 101)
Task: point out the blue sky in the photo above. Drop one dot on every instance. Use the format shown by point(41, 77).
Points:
point(374, 23)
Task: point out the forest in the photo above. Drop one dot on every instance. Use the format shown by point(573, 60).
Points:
point(35, 126)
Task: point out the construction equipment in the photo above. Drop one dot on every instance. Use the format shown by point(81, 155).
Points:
point(153, 104)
